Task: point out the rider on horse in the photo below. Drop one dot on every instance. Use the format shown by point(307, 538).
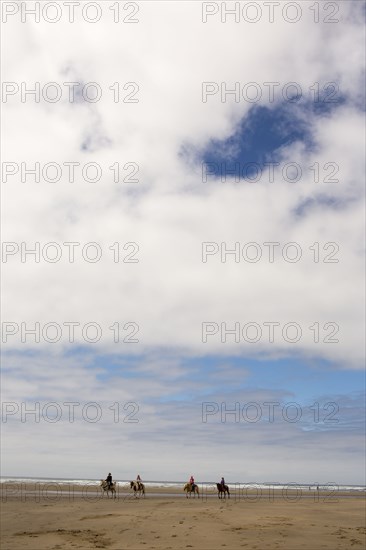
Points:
point(191, 481)
point(109, 480)
point(138, 481)
point(222, 483)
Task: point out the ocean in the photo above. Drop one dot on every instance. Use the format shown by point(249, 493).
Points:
point(155, 485)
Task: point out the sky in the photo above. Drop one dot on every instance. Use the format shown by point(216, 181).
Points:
point(183, 241)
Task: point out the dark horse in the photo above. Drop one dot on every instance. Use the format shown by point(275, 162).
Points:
point(222, 490)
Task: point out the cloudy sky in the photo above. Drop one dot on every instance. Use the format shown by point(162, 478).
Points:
point(183, 240)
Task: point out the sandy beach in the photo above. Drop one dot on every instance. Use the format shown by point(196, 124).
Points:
point(35, 518)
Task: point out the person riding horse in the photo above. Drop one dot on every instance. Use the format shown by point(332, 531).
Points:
point(109, 480)
point(191, 481)
point(222, 489)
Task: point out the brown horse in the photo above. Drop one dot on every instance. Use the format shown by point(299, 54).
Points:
point(106, 488)
point(222, 490)
point(138, 487)
point(191, 489)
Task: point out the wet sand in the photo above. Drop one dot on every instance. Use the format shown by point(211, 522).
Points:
point(40, 517)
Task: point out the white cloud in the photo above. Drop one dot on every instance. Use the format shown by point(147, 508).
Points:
point(170, 292)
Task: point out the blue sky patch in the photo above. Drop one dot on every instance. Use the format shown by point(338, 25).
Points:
point(261, 136)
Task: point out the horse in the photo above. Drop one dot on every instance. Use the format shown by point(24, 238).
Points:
point(106, 488)
point(191, 489)
point(222, 490)
point(138, 487)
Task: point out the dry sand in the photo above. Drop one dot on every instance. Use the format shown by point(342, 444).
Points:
point(32, 520)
